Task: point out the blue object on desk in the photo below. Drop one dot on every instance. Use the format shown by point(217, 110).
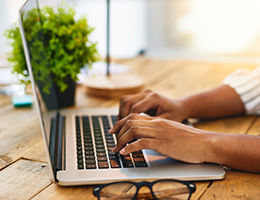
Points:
point(22, 101)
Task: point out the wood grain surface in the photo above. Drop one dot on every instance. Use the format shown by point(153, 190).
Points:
point(24, 173)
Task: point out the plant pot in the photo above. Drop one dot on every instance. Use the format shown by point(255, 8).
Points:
point(57, 99)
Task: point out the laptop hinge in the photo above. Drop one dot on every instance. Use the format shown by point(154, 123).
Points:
point(56, 141)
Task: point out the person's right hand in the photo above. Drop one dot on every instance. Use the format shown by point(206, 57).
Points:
point(173, 139)
point(152, 104)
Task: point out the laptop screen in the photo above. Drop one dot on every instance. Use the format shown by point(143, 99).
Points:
point(38, 59)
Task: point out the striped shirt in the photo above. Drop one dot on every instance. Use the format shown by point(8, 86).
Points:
point(247, 86)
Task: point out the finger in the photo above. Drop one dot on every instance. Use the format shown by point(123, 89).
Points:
point(135, 132)
point(135, 123)
point(144, 105)
point(126, 103)
point(144, 143)
point(117, 127)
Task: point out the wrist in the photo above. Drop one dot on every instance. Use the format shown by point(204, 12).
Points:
point(200, 143)
point(208, 142)
point(186, 107)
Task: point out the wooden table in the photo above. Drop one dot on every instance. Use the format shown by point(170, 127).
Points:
point(23, 168)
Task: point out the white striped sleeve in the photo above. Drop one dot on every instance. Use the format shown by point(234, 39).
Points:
point(247, 86)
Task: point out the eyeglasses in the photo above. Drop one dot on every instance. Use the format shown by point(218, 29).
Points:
point(165, 189)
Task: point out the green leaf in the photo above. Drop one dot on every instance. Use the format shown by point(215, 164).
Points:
point(59, 46)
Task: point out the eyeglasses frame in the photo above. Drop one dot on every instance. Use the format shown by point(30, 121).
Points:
point(149, 184)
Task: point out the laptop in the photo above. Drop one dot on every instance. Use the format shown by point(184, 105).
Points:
point(78, 144)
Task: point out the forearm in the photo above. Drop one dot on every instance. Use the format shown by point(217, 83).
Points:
point(218, 102)
point(240, 152)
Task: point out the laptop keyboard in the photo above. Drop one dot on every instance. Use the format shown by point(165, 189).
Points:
point(94, 145)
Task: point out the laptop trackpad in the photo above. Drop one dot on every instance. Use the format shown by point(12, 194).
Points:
point(156, 159)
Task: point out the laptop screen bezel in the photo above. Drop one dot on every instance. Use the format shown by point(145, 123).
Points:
point(38, 107)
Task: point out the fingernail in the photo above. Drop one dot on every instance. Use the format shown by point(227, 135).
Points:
point(122, 151)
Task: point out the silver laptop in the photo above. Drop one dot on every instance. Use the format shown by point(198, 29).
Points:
point(78, 144)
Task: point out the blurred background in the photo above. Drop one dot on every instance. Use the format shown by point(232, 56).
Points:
point(189, 29)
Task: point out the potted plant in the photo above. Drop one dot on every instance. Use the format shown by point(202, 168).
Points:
point(59, 47)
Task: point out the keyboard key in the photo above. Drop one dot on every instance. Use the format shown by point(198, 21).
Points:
point(112, 153)
point(89, 157)
point(139, 159)
point(110, 141)
point(80, 161)
point(127, 162)
point(114, 157)
point(79, 147)
point(106, 129)
point(100, 150)
point(126, 157)
point(103, 165)
point(88, 145)
point(109, 137)
point(111, 145)
point(87, 135)
point(80, 166)
point(137, 155)
point(90, 161)
point(89, 153)
point(102, 158)
point(128, 165)
point(79, 152)
point(91, 166)
point(88, 141)
point(110, 149)
point(79, 144)
point(140, 164)
point(99, 141)
point(89, 148)
point(101, 154)
point(97, 131)
point(80, 156)
point(98, 135)
point(100, 146)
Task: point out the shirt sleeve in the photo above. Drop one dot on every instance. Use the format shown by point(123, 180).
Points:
point(247, 86)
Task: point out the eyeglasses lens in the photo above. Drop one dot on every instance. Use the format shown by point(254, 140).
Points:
point(124, 191)
point(170, 190)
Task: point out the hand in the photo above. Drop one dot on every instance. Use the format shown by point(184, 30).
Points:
point(153, 104)
point(167, 137)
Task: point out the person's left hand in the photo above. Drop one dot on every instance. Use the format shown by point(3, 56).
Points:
point(169, 138)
